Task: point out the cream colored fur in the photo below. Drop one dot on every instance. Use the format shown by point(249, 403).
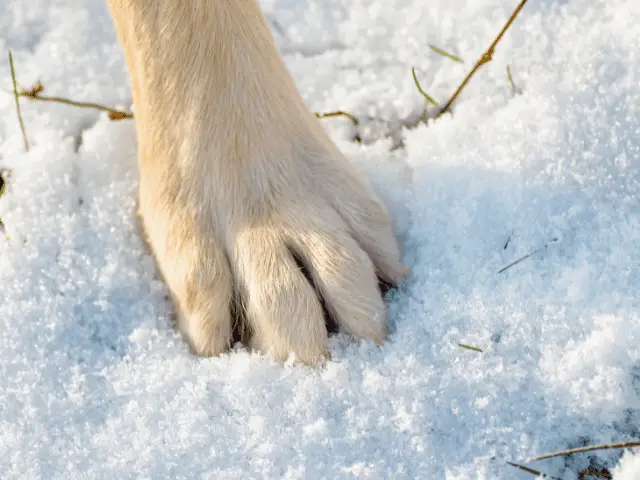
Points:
point(236, 174)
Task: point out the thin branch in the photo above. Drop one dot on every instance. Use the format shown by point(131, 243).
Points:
point(35, 93)
point(446, 54)
point(15, 94)
point(607, 446)
point(532, 471)
point(338, 113)
point(485, 58)
point(537, 250)
point(424, 94)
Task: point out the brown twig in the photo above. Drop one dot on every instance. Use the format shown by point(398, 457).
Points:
point(15, 94)
point(35, 93)
point(338, 113)
point(532, 471)
point(607, 446)
point(485, 58)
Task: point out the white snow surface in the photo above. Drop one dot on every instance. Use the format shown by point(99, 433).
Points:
point(94, 383)
point(628, 467)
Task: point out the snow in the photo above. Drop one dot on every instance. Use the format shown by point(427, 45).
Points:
point(628, 467)
point(94, 383)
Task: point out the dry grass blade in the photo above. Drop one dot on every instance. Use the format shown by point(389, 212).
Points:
point(524, 257)
point(485, 58)
point(506, 244)
point(424, 94)
point(512, 84)
point(445, 54)
point(607, 446)
point(16, 95)
point(469, 347)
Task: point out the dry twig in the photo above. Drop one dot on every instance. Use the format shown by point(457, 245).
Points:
point(532, 471)
point(338, 113)
point(35, 93)
point(607, 446)
point(485, 58)
point(16, 94)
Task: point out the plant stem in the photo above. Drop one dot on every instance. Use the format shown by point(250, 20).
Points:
point(485, 58)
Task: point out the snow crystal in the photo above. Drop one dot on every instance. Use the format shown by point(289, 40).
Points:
point(94, 382)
